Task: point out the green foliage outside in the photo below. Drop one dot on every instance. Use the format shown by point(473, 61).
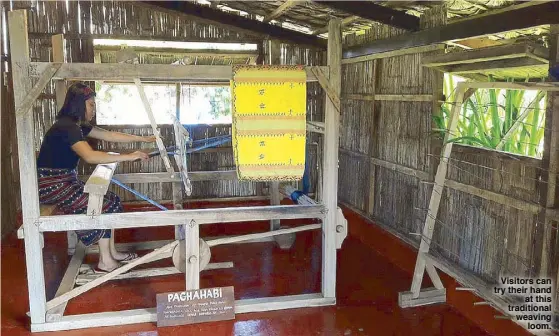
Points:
point(507, 120)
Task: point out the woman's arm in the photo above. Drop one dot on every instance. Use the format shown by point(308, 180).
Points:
point(89, 155)
point(101, 134)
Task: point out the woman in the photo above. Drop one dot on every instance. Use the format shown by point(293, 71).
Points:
point(62, 147)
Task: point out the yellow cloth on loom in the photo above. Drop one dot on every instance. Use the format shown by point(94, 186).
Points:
point(269, 122)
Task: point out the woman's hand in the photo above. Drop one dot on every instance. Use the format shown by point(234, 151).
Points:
point(150, 138)
point(138, 155)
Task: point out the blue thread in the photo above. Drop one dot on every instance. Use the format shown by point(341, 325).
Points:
point(142, 196)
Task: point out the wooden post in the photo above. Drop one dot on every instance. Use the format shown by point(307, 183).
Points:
point(274, 58)
point(544, 260)
point(436, 194)
point(331, 144)
point(177, 186)
point(192, 255)
point(373, 139)
point(19, 46)
point(60, 91)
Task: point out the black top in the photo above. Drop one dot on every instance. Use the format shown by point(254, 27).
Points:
point(56, 149)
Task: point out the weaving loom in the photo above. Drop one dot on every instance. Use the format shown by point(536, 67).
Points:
point(269, 122)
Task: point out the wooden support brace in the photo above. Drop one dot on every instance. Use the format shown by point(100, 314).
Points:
point(46, 76)
point(325, 84)
point(235, 239)
point(99, 281)
point(436, 195)
point(67, 283)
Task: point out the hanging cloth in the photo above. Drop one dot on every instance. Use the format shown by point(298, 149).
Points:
point(269, 105)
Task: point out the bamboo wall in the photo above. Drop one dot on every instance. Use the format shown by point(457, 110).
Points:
point(388, 159)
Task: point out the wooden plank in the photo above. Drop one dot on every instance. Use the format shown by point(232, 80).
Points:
point(436, 193)
point(331, 93)
point(284, 7)
point(234, 239)
point(393, 53)
point(146, 315)
point(426, 297)
point(154, 72)
point(346, 21)
point(176, 217)
point(236, 22)
point(482, 67)
point(493, 196)
point(25, 106)
point(330, 164)
point(423, 176)
point(99, 281)
point(540, 14)
point(218, 53)
point(541, 86)
point(496, 53)
point(133, 247)
point(390, 97)
point(374, 12)
point(67, 282)
point(19, 47)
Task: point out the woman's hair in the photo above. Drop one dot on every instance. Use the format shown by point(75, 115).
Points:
point(74, 103)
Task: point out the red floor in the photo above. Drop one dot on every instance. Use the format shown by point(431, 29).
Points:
point(367, 289)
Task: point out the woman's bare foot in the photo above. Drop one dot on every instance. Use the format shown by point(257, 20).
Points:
point(108, 265)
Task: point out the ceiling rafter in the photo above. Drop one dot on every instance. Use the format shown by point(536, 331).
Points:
point(287, 5)
point(374, 12)
point(202, 13)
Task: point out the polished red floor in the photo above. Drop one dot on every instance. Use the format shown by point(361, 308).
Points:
point(367, 289)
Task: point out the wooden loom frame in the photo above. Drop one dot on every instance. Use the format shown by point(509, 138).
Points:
point(49, 316)
point(429, 262)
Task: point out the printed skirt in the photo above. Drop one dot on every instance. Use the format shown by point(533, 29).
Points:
point(63, 188)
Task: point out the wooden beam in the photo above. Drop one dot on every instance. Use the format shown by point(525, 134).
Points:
point(486, 54)
point(31, 97)
point(219, 175)
point(374, 12)
point(388, 97)
point(537, 15)
point(348, 20)
point(284, 7)
point(176, 217)
point(235, 239)
point(394, 53)
point(145, 315)
point(482, 67)
point(220, 18)
point(154, 72)
point(330, 163)
point(19, 47)
point(180, 51)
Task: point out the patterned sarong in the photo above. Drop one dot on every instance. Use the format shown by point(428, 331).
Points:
point(269, 122)
point(63, 188)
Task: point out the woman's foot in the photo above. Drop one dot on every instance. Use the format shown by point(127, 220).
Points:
point(125, 257)
point(105, 267)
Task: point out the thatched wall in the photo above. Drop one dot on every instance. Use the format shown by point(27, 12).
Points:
point(388, 158)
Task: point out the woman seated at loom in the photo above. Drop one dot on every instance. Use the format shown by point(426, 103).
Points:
point(63, 145)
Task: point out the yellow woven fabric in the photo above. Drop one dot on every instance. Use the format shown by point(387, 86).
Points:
point(269, 122)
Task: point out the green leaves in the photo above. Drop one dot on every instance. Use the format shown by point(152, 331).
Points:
point(508, 120)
